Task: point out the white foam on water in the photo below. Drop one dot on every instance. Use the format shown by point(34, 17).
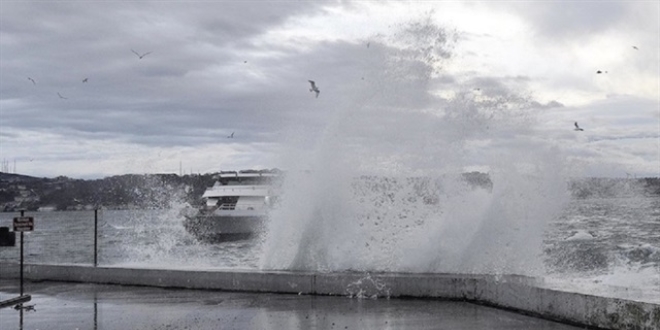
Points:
point(608, 241)
point(158, 239)
point(638, 283)
point(367, 287)
point(382, 188)
point(580, 235)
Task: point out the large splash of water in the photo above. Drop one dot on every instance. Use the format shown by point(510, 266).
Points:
point(385, 190)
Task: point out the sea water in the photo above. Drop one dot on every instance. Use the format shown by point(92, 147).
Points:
point(126, 238)
point(606, 241)
point(600, 241)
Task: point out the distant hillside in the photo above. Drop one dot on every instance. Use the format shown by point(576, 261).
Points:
point(614, 187)
point(150, 191)
point(9, 177)
point(120, 192)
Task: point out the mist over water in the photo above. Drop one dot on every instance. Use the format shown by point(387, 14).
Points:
point(382, 188)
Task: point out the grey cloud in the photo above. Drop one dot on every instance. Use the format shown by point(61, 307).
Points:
point(180, 85)
point(497, 86)
point(196, 87)
point(445, 80)
point(572, 19)
point(549, 105)
point(624, 137)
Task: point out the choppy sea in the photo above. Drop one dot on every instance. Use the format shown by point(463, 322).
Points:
point(595, 242)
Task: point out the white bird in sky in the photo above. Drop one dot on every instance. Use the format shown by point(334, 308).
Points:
point(32, 80)
point(140, 56)
point(314, 88)
point(231, 136)
point(60, 95)
point(577, 128)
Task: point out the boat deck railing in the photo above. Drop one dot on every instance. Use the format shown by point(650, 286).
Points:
point(238, 190)
point(227, 206)
point(244, 206)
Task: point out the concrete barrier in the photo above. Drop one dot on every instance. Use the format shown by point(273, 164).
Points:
point(519, 293)
point(15, 301)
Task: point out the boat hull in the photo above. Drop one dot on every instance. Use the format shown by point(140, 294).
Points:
point(223, 228)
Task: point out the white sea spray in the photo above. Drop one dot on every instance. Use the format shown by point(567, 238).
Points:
point(383, 188)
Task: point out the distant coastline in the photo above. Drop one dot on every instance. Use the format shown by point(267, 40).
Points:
point(158, 191)
point(131, 191)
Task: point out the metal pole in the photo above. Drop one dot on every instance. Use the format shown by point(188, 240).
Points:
point(96, 311)
point(96, 236)
point(22, 214)
point(21, 263)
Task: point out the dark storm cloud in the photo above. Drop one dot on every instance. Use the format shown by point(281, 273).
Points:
point(191, 87)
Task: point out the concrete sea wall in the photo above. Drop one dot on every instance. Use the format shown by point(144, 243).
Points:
point(519, 293)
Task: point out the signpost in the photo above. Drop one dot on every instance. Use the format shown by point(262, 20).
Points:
point(23, 224)
point(96, 237)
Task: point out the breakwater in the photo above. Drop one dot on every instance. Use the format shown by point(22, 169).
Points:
point(523, 294)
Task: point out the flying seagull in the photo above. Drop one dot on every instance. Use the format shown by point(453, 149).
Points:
point(314, 88)
point(577, 128)
point(32, 80)
point(140, 56)
point(60, 95)
point(231, 136)
point(599, 72)
point(635, 47)
point(85, 80)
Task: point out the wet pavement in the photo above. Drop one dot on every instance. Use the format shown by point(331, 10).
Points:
point(73, 306)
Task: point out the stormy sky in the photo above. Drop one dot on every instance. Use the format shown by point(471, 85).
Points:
point(76, 99)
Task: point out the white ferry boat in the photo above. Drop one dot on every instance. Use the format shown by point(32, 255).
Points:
point(235, 207)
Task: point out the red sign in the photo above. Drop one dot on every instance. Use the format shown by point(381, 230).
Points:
point(23, 224)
